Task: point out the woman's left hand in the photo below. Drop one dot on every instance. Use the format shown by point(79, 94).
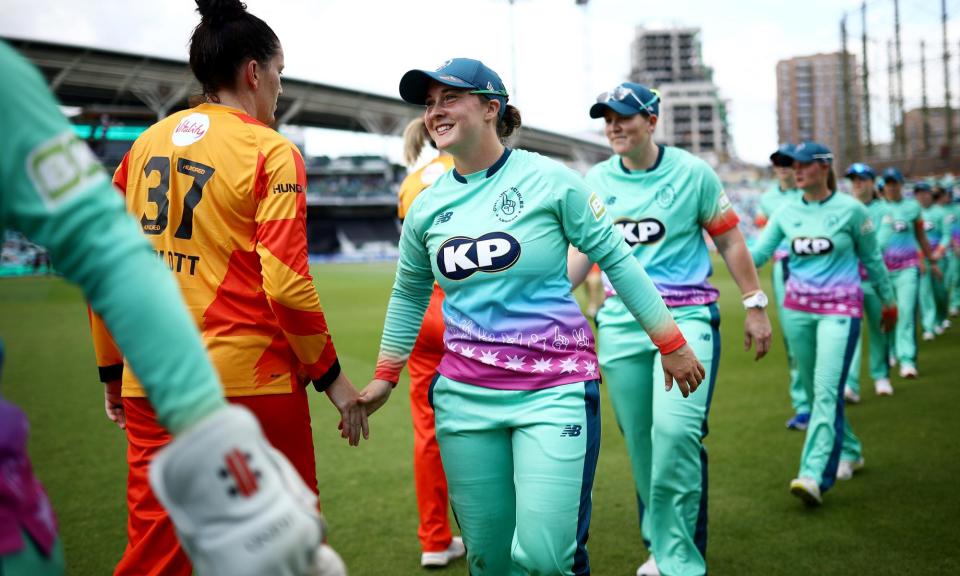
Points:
point(756, 329)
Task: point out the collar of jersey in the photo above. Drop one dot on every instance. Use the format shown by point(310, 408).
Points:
point(493, 169)
point(821, 202)
point(660, 149)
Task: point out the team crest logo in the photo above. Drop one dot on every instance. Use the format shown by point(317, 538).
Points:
point(831, 222)
point(666, 195)
point(508, 205)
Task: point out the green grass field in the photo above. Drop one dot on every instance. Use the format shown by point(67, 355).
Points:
point(898, 516)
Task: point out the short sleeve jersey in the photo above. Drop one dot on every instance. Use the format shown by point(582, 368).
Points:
point(897, 236)
point(496, 242)
point(222, 199)
point(770, 202)
point(827, 241)
point(662, 213)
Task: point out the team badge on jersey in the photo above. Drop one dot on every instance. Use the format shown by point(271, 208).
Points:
point(646, 231)
point(61, 166)
point(508, 205)
point(665, 196)
point(459, 257)
point(811, 246)
point(191, 129)
point(831, 222)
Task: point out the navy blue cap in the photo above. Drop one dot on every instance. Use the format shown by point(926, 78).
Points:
point(459, 73)
point(922, 187)
point(783, 155)
point(627, 99)
point(860, 170)
point(811, 152)
point(893, 174)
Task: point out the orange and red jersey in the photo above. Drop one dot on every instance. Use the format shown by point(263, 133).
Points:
point(416, 182)
point(222, 198)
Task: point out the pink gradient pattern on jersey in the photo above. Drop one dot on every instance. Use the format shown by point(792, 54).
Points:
point(674, 296)
point(538, 354)
point(900, 257)
point(839, 299)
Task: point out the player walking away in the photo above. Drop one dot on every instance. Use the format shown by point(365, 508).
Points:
point(54, 191)
point(950, 200)
point(902, 238)
point(862, 179)
point(221, 196)
point(516, 398)
point(829, 235)
point(782, 190)
point(662, 199)
point(933, 292)
point(437, 544)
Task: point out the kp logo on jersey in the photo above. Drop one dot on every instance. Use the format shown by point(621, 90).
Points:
point(811, 246)
point(646, 231)
point(459, 257)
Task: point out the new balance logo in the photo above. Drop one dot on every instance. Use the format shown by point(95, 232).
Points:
point(571, 430)
point(443, 218)
point(242, 479)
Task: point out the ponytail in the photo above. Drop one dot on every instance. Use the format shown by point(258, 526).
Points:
point(415, 135)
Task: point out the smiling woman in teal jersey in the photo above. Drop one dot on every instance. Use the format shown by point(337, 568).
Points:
point(933, 293)
point(516, 396)
point(780, 191)
point(862, 179)
point(902, 240)
point(829, 235)
point(662, 199)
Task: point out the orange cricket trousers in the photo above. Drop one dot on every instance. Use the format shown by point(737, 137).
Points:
point(152, 545)
point(432, 501)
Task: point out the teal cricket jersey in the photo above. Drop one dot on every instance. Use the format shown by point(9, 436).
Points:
point(496, 242)
point(54, 191)
point(876, 211)
point(936, 225)
point(827, 241)
point(661, 213)
point(770, 202)
point(897, 235)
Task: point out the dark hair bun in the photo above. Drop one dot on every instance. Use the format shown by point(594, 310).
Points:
point(219, 11)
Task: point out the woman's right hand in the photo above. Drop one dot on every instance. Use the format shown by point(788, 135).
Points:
point(375, 395)
point(113, 404)
point(682, 366)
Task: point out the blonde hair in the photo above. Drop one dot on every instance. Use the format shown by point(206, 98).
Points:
point(415, 137)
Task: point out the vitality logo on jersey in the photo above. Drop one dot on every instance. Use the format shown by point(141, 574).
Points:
point(191, 129)
point(646, 231)
point(811, 246)
point(459, 257)
point(508, 205)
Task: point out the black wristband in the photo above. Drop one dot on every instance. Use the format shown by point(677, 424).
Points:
point(111, 373)
point(324, 382)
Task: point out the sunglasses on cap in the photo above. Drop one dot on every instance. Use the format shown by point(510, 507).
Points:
point(782, 161)
point(621, 93)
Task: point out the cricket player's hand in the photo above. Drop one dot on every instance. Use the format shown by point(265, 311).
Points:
point(353, 415)
point(682, 366)
point(113, 404)
point(888, 317)
point(376, 394)
point(756, 330)
point(238, 505)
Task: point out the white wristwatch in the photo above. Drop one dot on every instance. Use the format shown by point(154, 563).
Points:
point(756, 300)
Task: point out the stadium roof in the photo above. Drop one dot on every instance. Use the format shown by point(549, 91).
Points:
point(129, 87)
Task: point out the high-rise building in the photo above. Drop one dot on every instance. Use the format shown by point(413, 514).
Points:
point(692, 114)
point(813, 103)
point(935, 142)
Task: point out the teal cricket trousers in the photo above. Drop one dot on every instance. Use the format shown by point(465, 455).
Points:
point(798, 396)
point(520, 467)
point(933, 297)
point(904, 342)
point(879, 347)
point(664, 435)
point(31, 562)
point(824, 346)
point(953, 284)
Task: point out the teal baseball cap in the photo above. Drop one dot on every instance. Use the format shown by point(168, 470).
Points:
point(627, 99)
point(809, 151)
point(893, 175)
point(465, 73)
point(782, 156)
point(860, 170)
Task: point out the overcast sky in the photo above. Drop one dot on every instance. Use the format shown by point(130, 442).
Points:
point(558, 57)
